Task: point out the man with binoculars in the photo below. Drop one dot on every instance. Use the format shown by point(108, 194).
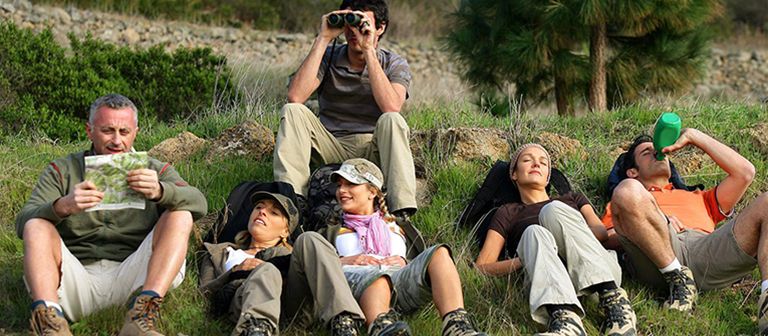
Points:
point(360, 89)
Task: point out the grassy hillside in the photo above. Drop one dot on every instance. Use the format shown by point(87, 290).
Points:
point(499, 304)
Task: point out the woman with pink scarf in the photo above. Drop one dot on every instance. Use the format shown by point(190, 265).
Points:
point(373, 250)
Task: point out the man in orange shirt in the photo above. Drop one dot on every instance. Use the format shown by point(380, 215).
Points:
point(670, 235)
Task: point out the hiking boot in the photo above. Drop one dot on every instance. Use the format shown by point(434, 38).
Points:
point(344, 324)
point(143, 316)
point(48, 321)
point(762, 314)
point(256, 327)
point(388, 324)
point(620, 319)
point(564, 323)
point(456, 323)
point(682, 289)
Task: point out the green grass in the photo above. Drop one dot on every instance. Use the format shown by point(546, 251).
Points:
point(500, 305)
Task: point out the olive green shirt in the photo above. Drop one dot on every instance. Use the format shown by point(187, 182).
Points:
point(105, 234)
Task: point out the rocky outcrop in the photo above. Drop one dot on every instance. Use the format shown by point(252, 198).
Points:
point(460, 144)
point(247, 139)
point(759, 135)
point(561, 148)
point(177, 149)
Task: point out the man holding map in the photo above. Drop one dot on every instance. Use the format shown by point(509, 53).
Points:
point(78, 261)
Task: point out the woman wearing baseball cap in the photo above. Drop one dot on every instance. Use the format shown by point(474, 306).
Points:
point(554, 240)
point(247, 277)
point(373, 250)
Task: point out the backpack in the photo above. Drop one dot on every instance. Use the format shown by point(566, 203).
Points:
point(614, 178)
point(233, 217)
point(498, 189)
point(324, 211)
point(322, 207)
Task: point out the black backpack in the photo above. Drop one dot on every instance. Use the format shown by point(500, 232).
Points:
point(233, 217)
point(322, 207)
point(498, 189)
point(614, 178)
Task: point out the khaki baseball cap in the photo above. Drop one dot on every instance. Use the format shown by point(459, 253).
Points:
point(359, 171)
point(289, 209)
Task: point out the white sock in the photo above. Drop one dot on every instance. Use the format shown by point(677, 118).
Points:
point(674, 265)
point(54, 305)
point(764, 286)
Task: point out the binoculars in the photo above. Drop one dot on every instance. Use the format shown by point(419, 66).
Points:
point(338, 20)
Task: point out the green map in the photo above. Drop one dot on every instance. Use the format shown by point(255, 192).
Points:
point(109, 173)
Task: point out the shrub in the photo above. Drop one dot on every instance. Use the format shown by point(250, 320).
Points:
point(48, 87)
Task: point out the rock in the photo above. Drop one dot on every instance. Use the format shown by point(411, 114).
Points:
point(61, 15)
point(690, 160)
point(203, 225)
point(130, 36)
point(24, 5)
point(759, 135)
point(8, 8)
point(561, 147)
point(424, 192)
point(461, 144)
point(177, 149)
point(247, 139)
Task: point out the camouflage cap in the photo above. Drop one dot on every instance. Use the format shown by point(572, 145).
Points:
point(289, 209)
point(359, 171)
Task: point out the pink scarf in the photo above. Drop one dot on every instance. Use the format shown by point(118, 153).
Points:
point(373, 232)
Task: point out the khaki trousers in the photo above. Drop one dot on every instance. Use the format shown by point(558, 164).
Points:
point(85, 289)
point(314, 289)
point(561, 258)
point(303, 138)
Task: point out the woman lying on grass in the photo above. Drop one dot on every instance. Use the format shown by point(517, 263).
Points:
point(258, 281)
point(554, 240)
point(373, 249)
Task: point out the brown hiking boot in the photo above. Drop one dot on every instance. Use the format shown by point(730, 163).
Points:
point(682, 289)
point(48, 321)
point(564, 322)
point(620, 319)
point(142, 319)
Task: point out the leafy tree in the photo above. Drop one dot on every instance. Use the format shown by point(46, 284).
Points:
point(610, 51)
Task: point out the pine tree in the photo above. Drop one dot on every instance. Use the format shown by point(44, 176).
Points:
point(611, 52)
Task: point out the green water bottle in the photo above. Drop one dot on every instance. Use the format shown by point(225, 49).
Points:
point(666, 132)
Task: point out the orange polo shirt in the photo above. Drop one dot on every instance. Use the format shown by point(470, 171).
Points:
point(695, 209)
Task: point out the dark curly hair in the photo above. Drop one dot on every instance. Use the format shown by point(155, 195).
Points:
point(629, 157)
point(378, 7)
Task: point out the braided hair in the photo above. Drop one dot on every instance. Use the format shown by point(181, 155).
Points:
point(382, 204)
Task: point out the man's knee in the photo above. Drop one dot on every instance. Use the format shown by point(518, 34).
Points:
point(761, 202)
point(392, 120)
point(629, 195)
point(181, 219)
point(39, 230)
point(293, 111)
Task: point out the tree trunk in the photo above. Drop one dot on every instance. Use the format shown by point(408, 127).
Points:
point(564, 107)
point(598, 43)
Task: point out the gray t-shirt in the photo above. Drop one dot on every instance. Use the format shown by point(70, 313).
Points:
point(347, 105)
